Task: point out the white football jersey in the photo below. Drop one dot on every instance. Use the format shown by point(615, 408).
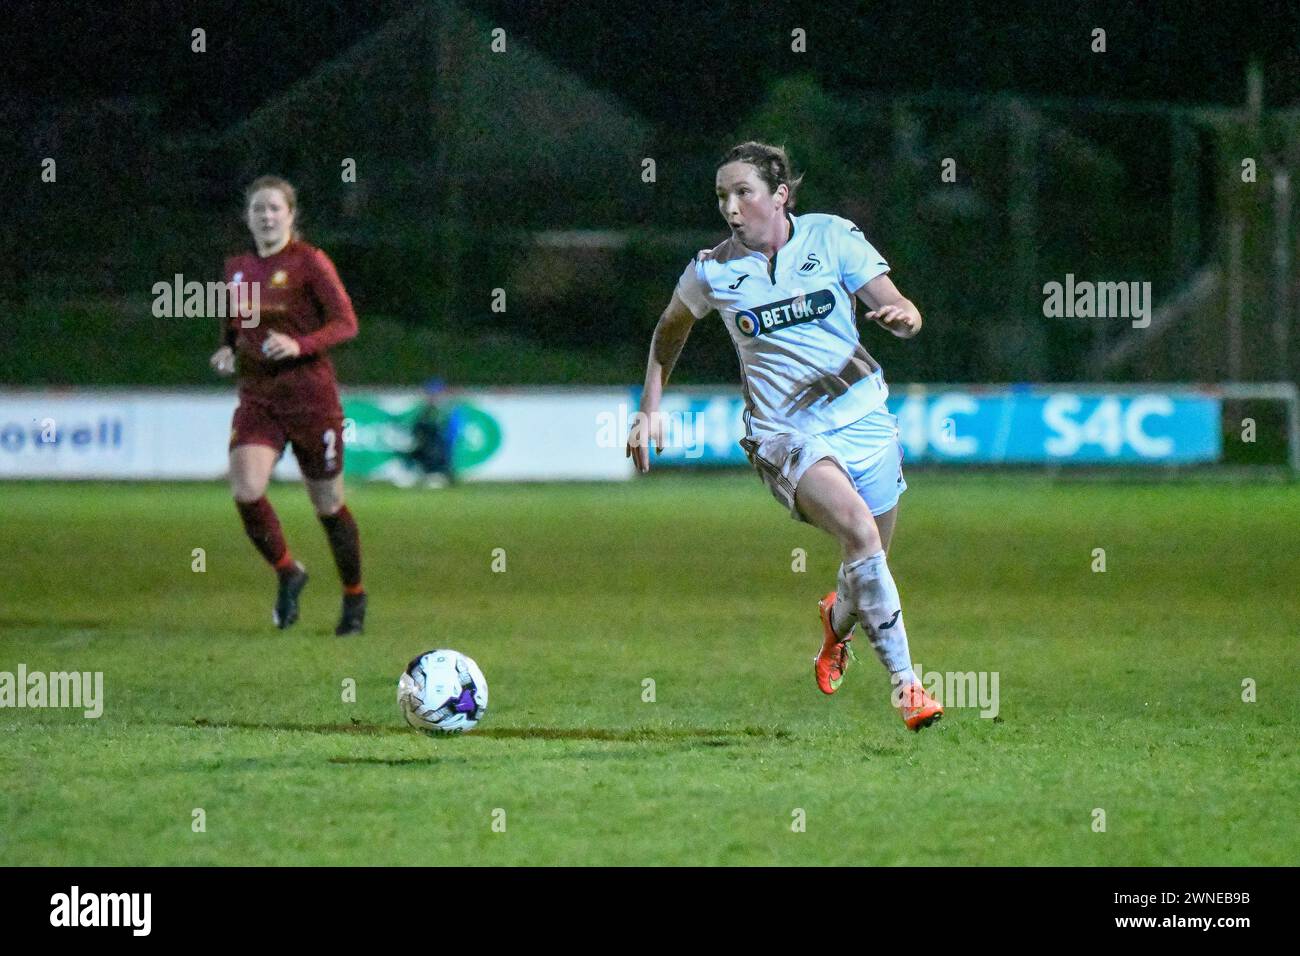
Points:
point(792, 321)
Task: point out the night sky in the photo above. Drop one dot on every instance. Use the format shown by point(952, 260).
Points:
point(671, 61)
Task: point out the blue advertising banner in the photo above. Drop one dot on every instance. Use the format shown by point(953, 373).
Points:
point(983, 425)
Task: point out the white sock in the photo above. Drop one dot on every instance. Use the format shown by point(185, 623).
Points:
point(868, 588)
point(843, 617)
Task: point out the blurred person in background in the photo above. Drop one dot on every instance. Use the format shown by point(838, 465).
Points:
point(433, 436)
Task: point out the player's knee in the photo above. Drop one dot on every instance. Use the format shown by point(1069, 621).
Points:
point(327, 500)
point(862, 535)
point(245, 490)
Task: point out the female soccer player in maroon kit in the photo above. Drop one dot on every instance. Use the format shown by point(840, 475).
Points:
point(288, 393)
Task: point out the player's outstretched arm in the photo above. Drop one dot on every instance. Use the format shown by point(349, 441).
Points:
point(889, 308)
point(665, 346)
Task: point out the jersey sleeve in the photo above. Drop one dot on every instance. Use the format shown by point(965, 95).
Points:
point(859, 261)
point(340, 319)
point(693, 289)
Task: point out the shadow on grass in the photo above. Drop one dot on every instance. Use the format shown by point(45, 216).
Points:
point(61, 626)
point(355, 727)
point(635, 735)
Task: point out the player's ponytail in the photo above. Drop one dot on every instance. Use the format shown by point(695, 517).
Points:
point(772, 163)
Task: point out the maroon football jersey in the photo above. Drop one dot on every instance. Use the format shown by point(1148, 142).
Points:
point(300, 295)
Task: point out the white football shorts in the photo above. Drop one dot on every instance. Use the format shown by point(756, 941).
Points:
point(868, 451)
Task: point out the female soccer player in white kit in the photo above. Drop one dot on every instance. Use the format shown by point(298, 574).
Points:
point(817, 429)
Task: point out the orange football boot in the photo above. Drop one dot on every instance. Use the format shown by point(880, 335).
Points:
point(918, 708)
point(833, 659)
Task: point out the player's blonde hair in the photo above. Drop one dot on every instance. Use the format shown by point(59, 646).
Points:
point(772, 163)
point(286, 189)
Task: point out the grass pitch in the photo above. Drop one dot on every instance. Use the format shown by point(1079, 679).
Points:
point(1119, 691)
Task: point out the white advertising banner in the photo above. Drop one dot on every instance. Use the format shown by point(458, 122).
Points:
point(505, 435)
point(65, 434)
point(553, 435)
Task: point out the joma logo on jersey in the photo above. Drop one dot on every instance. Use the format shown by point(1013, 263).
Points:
point(766, 319)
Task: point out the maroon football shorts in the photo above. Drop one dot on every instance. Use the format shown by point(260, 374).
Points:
point(316, 433)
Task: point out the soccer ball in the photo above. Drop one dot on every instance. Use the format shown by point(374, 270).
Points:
point(443, 692)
